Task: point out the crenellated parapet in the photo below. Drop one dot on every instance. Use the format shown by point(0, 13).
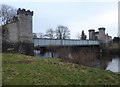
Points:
point(91, 30)
point(91, 34)
point(23, 11)
point(101, 28)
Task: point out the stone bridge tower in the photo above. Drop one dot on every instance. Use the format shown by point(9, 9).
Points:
point(19, 33)
point(25, 25)
point(92, 34)
point(101, 34)
point(25, 34)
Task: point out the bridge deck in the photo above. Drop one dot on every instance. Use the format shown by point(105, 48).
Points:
point(67, 42)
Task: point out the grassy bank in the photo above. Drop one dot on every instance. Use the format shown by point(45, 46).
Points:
point(19, 69)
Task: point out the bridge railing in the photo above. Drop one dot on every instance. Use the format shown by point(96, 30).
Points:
point(67, 42)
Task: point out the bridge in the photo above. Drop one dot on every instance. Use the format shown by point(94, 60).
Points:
point(67, 42)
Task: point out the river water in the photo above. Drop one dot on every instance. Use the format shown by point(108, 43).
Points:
point(114, 65)
point(111, 63)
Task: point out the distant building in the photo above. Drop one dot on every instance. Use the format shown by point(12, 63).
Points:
point(99, 35)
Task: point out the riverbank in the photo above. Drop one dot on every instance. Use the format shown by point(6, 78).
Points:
point(20, 69)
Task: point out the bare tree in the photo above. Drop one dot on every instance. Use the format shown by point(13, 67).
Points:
point(62, 32)
point(83, 36)
point(40, 35)
point(50, 33)
point(34, 35)
point(78, 35)
point(6, 13)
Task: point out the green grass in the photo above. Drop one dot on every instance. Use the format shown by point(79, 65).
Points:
point(20, 69)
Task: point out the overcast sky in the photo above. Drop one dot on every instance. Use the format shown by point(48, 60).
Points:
point(75, 14)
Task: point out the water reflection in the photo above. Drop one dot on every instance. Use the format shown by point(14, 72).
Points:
point(114, 65)
point(107, 62)
point(38, 54)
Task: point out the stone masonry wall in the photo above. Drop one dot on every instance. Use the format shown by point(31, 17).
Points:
point(20, 37)
point(13, 32)
point(25, 27)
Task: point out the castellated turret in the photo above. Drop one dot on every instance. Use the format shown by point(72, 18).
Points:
point(101, 35)
point(23, 11)
point(25, 25)
point(91, 34)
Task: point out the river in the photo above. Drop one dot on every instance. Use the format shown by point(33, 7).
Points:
point(114, 65)
point(111, 63)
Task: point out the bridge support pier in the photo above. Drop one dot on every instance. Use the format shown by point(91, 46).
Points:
point(26, 48)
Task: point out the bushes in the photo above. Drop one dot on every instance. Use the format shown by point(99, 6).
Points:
point(9, 47)
point(85, 57)
point(64, 53)
point(24, 48)
point(80, 55)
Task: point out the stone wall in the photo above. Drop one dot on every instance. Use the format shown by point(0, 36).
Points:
point(13, 33)
point(26, 48)
point(25, 27)
point(19, 37)
point(23, 48)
